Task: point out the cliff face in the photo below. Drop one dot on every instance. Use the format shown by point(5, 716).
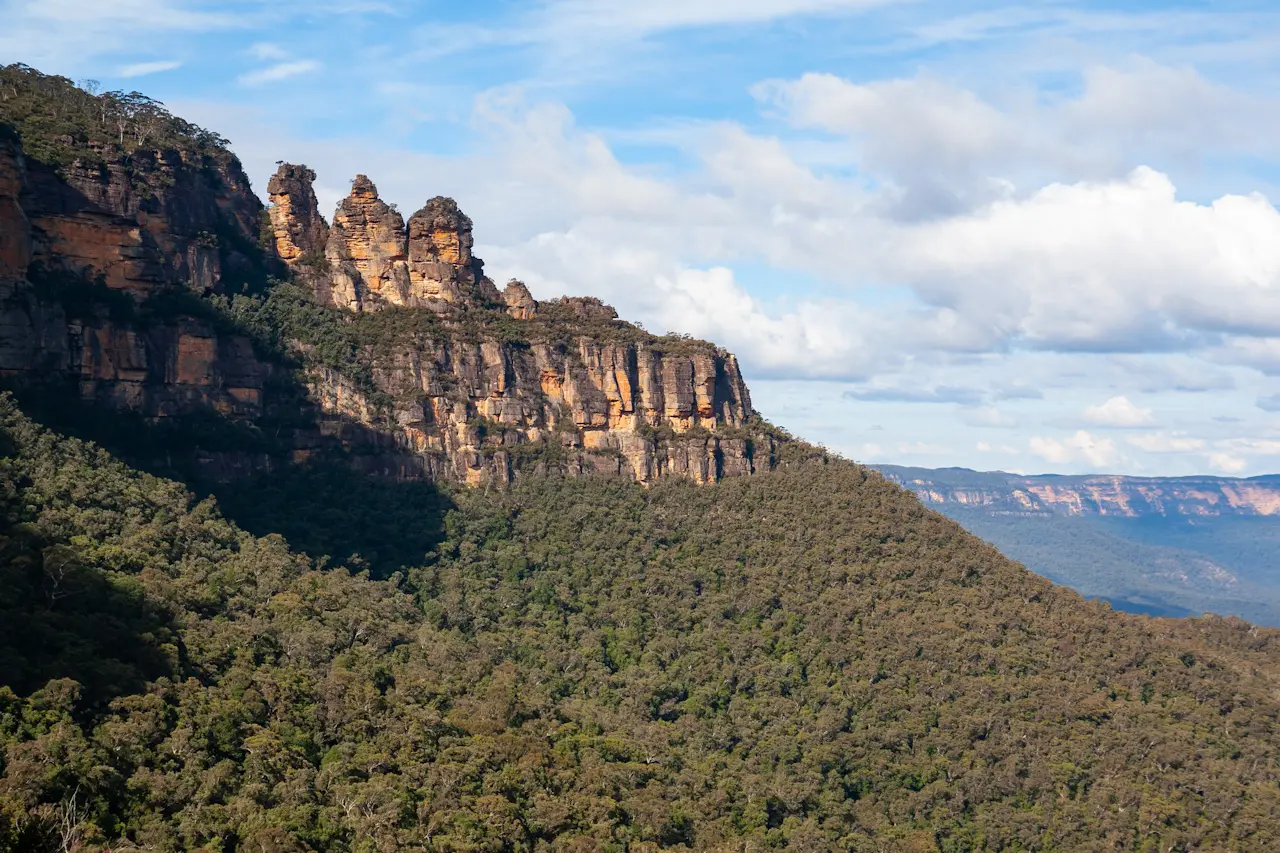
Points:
point(1120, 497)
point(468, 400)
point(15, 230)
point(498, 384)
point(473, 410)
point(103, 224)
point(157, 218)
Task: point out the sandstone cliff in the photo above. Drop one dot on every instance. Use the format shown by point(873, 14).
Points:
point(99, 223)
point(568, 382)
point(446, 378)
point(1115, 496)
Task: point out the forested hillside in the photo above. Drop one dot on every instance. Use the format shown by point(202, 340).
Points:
point(806, 659)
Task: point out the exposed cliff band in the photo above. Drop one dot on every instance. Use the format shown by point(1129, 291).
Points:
point(568, 386)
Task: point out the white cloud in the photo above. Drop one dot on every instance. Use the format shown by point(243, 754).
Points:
point(1260, 446)
point(1118, 412)
point(1159, 442)
point(268, 51)
point(1120, 266)
point(657, 15)
point(922, 448)
point(1083, 446)
point(279, 71)
point(987, 447)
point(1227, 462)
point(141, 69)
point(989, 416)
point(69, 34)
point(943, 144)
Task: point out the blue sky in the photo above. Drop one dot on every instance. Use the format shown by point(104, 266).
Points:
point(1036, 237)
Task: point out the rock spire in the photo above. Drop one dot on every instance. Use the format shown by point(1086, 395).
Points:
point(300, 232)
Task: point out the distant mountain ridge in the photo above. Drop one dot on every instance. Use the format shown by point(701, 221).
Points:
point(1169, 546)
point(1092, 494)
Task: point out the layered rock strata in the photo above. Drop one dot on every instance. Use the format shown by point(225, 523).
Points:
point(299, 231)
point(373, 260)
point(475, 411)
point(158, 218)
point(562, 384)
point(1092, 495)
point(100, 224)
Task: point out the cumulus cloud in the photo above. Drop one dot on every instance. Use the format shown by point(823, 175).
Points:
point(1081, 447)
point(944, 146)
point(1118, 412)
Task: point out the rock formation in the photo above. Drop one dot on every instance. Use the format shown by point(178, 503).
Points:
point(300, 232)
point(567, 386)
point(441, 266)
point(367, 252)
point(373, 260)
point(1092, 495)
point(464, 408)
point(158, 219)
point(519, 301)
point(101, 225)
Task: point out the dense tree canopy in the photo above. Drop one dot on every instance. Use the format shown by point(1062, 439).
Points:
point(61, 122)
point(806, 659)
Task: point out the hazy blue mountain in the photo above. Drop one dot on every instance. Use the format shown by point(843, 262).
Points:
point(1165, 546)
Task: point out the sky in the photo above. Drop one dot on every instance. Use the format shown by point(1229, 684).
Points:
point(1029, 237)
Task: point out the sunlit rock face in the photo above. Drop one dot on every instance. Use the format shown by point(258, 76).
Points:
point(499, 384)
point(299, 231)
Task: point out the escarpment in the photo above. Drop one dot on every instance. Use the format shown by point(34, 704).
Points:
point(564, 382)
point(82, 250)
point(116, 285)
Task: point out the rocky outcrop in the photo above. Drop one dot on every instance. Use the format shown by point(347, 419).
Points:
point(300, 232)
point(488, 385)
point(155, 369)
point(441, 266)
point(367, 252)
point(1114, 496)
point(519, 301)
point(156, 218)
point(482, 410)
point(104, 224)
point(374, 260)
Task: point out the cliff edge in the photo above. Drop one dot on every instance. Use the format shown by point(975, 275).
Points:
point(150, 278)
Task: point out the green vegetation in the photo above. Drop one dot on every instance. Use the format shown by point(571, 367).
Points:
point(803, 660)
point(60, 122)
